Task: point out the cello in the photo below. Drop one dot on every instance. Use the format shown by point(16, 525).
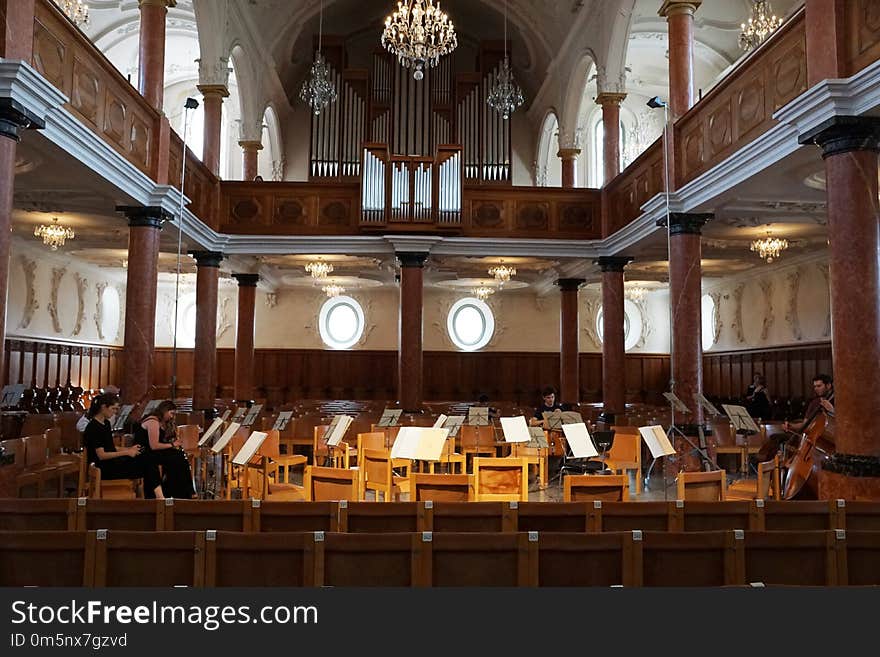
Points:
point(801, 479)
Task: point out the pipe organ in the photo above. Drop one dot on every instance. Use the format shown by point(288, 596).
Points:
point(384, 104)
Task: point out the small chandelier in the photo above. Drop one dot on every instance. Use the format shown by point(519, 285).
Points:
point(502, 273)
point(769, 248)
point(76, 10)
point(636, 293)
point(54, 235)
point(762, 23)
point(319, 269)
point(333, 290)
point(505, 95)
point(483, 292)
point(317, 90)
point(418, 33)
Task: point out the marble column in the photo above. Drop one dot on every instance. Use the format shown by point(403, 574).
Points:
point(409, 356)
point(680, 20)
point(827, 40)
point(151, 50)
point(250, 150)
point(205, 351)
point(140, 299)
point(613, 351)
point(610, 103)
point(569, 351)
point(569, 165)
point(212, 95)
point(685, 294)
point(850, 147)
point(244, 336)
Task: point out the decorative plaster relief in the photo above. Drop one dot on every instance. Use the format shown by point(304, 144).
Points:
point(57, 275)
point(99, 310)
point(647, 325)
point(716, 329)
point(30, 305)
point(81, 285)
point(224, 316)
point(769, 316)
point(738, 312)
point(791, 314)
point(592, 307)
point(271, 299)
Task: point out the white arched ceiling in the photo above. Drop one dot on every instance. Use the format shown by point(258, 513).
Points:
point(548, 167)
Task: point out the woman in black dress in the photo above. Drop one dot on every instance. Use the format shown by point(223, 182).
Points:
point(114, 463)
point(757, 400)
point(156, 435)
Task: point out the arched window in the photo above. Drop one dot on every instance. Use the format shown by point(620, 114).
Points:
point(708, 310)
point(470, 324)
point(597, 148)
point(341, 322)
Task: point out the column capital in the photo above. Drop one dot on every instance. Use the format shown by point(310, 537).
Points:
point(247, 280)
point(251, 145)
point(688, 223)
point(207, 258)
point(570, 284)
point(411, 258)
point(844, 134)
point(568, 153)
point(673, 7)
point(219, 90)
point(613, 263)
point(610, 98)
point(14, 116)
point(157, 3)
point(150, 216)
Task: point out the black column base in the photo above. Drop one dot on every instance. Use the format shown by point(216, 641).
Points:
point(853, 465)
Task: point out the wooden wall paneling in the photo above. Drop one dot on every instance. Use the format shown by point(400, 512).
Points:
point(863, 32)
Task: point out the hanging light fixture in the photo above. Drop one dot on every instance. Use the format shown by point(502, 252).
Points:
point(333, 290)
point(319, 269)
point(54, 235)
point(502, 273)
point(483, 292)
point(505, 94)
point(636, 293)
point(419, 33)
point(769, 248)
point(762, 23)
point(318, 91)
point(75, 10)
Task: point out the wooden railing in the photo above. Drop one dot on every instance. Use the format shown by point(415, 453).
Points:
point(52, 363)
point(201, 187)
point(863, 34)
point(624, 196)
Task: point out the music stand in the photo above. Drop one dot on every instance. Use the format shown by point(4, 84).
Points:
point(252, 414)
point(742, 422)
point(122, 417)
point(679, 406)
point(708, 406)
point(660, 446)
point(453, 423)
point(284, 417)
point(390, 417)
point(478, 416)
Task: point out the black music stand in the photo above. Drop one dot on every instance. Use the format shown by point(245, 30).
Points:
point(743, 425)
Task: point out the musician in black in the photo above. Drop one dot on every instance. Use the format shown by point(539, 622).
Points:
point(757, 399)
point(548, 405)
point(156, 434)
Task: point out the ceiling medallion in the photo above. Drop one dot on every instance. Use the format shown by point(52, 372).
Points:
point(419, 33)
point(319, 269)
point(762, 23)
point(769, 248)
point(54, 235)
point(502, 273)
point(318, 91)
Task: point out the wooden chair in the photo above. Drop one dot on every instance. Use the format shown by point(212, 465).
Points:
point(626, 453)
point(330, 484)
point(505, 479)
point(37, 515)
point(792, 558)
point(480, 559)
point(385, 559)
point(688, 559)
point(47, 558)
point(715, 516)
point(536, 456)
point(263, 473)
point(200, 515)
point(121, 515)
point(450, 458)
point(801, 515)
point(582, 559)
point(860, 515)
point(552, 517)
point(470, 517)
point(766, 486)
point(150, 558)
point(439, 487)
point(366, 517)
point(39, 475)
point(627, 516)
point(862, 554)
point(295, 517)
point(477, 440)
point(702, 486)
point(377, 475)
point(271, 559)
point(585, 488)
point(67, 464)
point(120, 489)
point(343, 455)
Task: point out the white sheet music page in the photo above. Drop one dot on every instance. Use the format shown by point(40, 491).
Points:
point(250, 447)
point(515, 429)
point(578, 439)
point(281, 421)
point(406, 444)
point(335, 435)
point(453, 423)
point(657, 441)
point(216, 424)
point(740, 418)
point(223, 440)
point(440, 421)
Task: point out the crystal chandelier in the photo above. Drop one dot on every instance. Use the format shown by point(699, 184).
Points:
point(636, 293)
point(769, 248)
point(76, 10)
point(505, 94)
point(319, 269)
point(418, 33)
point(333, 290)
point(54, 235)
point(502, 273)
point(762, 23)
point(483, 292)
point(318, 91)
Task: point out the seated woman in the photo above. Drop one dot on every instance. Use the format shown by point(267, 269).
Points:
point(155, 434)
point(114, 463)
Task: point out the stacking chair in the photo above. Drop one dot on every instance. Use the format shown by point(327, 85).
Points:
point(581, 488)
point(150, 558)
point(381, 559)
point(439, 487)
point(266, 472)
point(377, 475)
point(792, 558)
point(296, 517)
point(272, 559)
point(479, 559)
point(477, 440)
point(450, 458)
point(119, 489)
point(498, 480)
point(626, 453)
point(330, 484)
point(703, 486)
point(707, 558)
point(37, 515)
point(585, 559)
point(366, 517)
point(47, 558)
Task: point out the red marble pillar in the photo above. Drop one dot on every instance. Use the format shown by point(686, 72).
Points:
point(409, 356)
point(151, 50)
point(826, 40)
point(850, 146)
point(140, 299)
point(17, 29)
point(610, 103)
point(685, 277)
point(569, 351)
point(7, 178)
point(205, 351)
point(613, 352)
point(244, 336)
point(213, 95)
point(249, 150)
point(569, 165)
point(680, 19)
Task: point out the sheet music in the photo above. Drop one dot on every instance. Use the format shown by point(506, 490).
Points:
point(252, 415)
point(453, 423)
point(440, 421)
point(538, 438)
point(338, 426)
point(282, 420)
point(223, 440)
point(225, 415)
point(250, 447)
point(122, 416)
point(12, 394)
point(419, 443)
point(740, 418)
point(216, 424)
point(553, 419)
point(578, 439)
point(478, 416)
point(657, 441)
point(571, 417)
point(390, 417)
point(677, 404)
point(515, 429)
point(239, 413)
point(153, 403)
point(708, 406)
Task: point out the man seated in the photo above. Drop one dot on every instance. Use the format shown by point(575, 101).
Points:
point(548, 405)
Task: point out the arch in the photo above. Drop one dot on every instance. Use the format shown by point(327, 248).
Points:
point(271, 162)
point(618, 42)
point(548, 167)
point(574, 93)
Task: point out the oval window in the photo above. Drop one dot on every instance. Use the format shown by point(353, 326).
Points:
point(632, 324)
point(470, 324)
point(341, 322)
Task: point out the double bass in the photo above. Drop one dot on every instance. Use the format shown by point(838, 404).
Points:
point(801, 478)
